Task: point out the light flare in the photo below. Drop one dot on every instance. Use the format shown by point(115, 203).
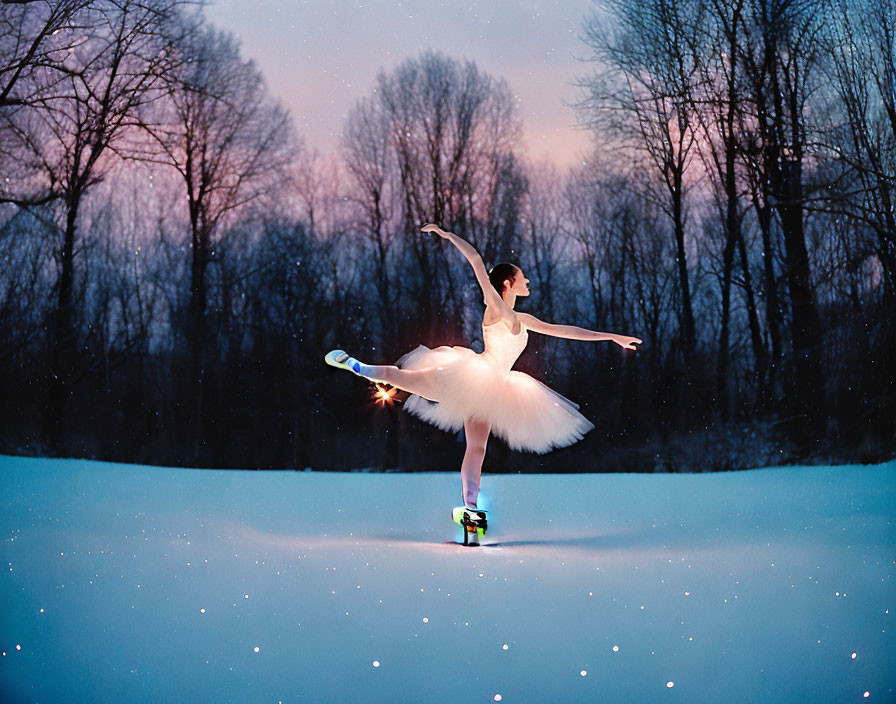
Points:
point(384, 395)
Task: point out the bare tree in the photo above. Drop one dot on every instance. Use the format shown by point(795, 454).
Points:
point(640, 99)
point(369, 158)
point(36, 36)
point(718, 105)
point(451, 130)
point(585, 218)
point(232, 146)
point(860, 41)
point(781, 58)
point(543, 235)
point(78, 111)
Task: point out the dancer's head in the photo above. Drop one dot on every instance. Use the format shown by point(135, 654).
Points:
point(506, 277)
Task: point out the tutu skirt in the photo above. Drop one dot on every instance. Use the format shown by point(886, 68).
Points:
point(522, 411)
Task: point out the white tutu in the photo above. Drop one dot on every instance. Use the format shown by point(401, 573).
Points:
point(522, 411)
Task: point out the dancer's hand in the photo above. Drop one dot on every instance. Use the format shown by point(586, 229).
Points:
point(626, 343)
point(434, 228)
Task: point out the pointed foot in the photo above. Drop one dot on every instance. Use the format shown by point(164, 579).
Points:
point(341, 360)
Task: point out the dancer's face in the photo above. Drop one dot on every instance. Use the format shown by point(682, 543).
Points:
point(520, 284)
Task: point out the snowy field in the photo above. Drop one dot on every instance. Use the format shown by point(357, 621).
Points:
point(144, 584)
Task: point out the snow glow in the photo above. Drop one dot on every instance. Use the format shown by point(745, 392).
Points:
point(288, 540)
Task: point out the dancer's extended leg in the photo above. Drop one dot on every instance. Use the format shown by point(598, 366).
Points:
point(471, 469)
point(415, 381)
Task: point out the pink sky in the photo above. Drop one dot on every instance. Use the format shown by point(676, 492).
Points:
point(320, 56)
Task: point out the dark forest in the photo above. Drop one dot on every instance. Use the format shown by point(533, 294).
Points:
point(177, 260)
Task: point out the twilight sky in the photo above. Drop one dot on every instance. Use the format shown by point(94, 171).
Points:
point(320, 56)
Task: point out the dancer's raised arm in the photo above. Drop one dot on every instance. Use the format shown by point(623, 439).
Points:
point(571, 332)
point(469, 251)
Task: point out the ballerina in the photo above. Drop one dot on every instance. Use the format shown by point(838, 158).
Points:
point(454, 387)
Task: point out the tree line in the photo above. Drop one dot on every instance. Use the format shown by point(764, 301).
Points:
point(176, 260)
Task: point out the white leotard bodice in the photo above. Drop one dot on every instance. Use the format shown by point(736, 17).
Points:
point(501, 345)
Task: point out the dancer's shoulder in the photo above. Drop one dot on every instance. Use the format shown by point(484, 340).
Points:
point(513, 320)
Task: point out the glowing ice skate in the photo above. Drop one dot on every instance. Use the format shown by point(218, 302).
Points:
point(473, 521)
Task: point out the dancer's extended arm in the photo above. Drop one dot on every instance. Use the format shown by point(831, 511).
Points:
point(469, 251)
point(572, 332)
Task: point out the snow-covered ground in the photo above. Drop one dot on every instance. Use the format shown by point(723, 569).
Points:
point(143, 584)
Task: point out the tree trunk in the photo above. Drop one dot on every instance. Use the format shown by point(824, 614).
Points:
point(722, 360)
point(759, 351)
point(681, 259)
point(772, 306)
point(806, 327)
point(783, 161)
point(197, 337)
point(64, 339)
point(732, 234)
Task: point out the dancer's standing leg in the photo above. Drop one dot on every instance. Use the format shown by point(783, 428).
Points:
point(476, 432)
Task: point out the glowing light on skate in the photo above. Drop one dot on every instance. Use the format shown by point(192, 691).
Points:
point(384, 395)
